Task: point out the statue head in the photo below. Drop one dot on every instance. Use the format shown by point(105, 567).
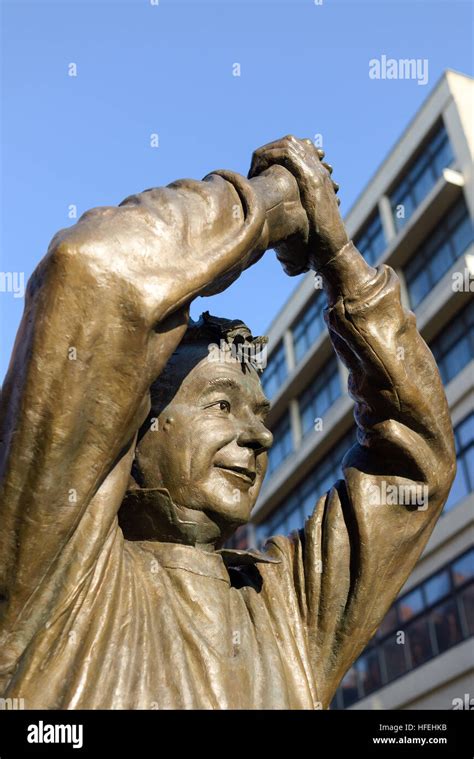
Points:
point(205, 441)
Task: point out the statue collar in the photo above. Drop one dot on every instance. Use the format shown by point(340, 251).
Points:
point(149, 515)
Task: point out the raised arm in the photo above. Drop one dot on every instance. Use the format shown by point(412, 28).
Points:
point(367, 533)
point(371, 528)
point(104, 310)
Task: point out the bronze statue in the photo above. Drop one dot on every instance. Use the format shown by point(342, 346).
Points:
point(130, 454)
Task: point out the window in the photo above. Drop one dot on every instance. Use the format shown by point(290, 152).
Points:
point(434, 616)
point(437, 587)
point(282, 443)
point(394, 657)
point(463, 574)
point(463, 569)
point(437, 254)
point(445, 621)
point(419, 642)
point(410, 605)
point(350, 692)
point(368, 666)
point(290, 515)
point(309, 326)
point(453, 348)
point(319, 395)
point(464, 481)
point(421, 176)
point(275, 372)
point(390, 622)
point(467, 609)
point(371, 241)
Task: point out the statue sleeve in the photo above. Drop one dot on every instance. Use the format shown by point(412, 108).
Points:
point(366, 534)
point(104, 310)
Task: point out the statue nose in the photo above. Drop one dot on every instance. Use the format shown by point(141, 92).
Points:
point(256, 436)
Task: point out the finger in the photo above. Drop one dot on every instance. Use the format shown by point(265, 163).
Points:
point(288, 143)
point(320, 153)
point(260, 156)
point(306, 141)
point(289, 139)
point(287, 156)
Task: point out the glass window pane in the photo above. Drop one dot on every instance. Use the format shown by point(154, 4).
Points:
point(295, 521)
point(370, 675)
point(467, 600)
point(438, 142)
point(419, 288)
point(465, 431)
point(349, 690)
point(308, 504)
point(415, 265)
point(317, 398)
point(441, 261)
point(334, 389)
point(437, 587)
point(371, 241)
point(389, 621)
point(451, 335)
point(423, 184)
point(407, 209)
point(282, 443)
point(314, 328)
point(307, 419)
point(378, 244)
point(436, 237)
point(459, 489)
point(443, 158)
point(446, 623)
point(275, 372)
point(456, 359)
point(463, 568)
point(395, 661)
point(418, 638)
point(437, 253)
point(309, 326)
point(410, 605)
point(422, 174)
point(419, 166)
point(400, 191)
point(300, 348)
point(323, 403)
point(462, 236)
point(325, 483)
point(468, 458)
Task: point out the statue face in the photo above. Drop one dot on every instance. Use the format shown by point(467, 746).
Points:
point(209, 448)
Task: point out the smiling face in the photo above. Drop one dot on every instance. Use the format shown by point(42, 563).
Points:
point(208, 445)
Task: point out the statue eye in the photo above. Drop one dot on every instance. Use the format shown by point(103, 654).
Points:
point(223, 406)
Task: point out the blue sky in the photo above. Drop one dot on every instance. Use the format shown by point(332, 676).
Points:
point(167, 69)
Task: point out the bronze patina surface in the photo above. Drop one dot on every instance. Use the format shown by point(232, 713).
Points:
point(131, 451)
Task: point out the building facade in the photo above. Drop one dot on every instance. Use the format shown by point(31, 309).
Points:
point(415, 215)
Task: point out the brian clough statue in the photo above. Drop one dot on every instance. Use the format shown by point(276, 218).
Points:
point(130, 455)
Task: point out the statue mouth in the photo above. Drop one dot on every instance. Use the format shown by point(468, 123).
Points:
point(242, 473)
